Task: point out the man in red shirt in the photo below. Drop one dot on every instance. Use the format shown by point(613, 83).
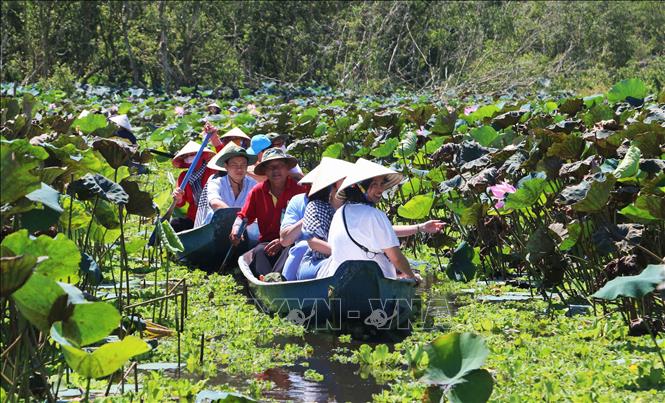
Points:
point(266, 203)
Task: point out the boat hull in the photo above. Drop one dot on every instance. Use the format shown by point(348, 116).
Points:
point(358, 294)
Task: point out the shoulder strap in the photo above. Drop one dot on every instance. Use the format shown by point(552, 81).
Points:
point(346, 227)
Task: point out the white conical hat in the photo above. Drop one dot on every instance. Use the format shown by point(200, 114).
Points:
point(122, 121)
point(365, 169)
point(309, 177)
point(191, 147)
point(329, 171)
point(236, 132)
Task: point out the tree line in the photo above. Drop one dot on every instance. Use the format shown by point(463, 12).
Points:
point(374, 46)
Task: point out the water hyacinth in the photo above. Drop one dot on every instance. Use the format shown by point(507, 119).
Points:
point(500, 191)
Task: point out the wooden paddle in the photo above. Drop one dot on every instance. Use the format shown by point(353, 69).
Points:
point(241, 229)
point(183, 184)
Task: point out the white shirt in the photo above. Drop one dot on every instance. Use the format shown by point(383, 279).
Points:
point(369, 227)
point(220, 188)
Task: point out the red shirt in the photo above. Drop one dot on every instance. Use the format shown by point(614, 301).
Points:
point(259, 206)
point(193, 205)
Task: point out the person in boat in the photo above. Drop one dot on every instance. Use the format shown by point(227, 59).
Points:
point(290, 231)
point(225, 191)
point(234, 135)
point(192, 191)
point(213, 108)
point(360, 231)
point(279, 141)
point(258, 144)
point(266, 203)
point(123, 128)
point(319, 214)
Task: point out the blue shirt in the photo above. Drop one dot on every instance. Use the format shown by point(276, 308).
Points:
point(295, 211)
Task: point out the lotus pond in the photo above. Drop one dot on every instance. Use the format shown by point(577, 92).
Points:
point(548, 282)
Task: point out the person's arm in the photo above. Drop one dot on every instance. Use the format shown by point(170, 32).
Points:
point(398, 260)
point(320, 246)
point(290, 233)
point(179, 193)
point(246, 212)
point(217, 204)
point(430, 227)
point(214, 139)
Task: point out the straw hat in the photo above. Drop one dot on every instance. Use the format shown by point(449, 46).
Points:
point(213, 105)
point(273, 154)
point(364, 169)
point(259, 143)
point(235, 133)
point(121, 121)
point(229, 151)
point(329, 171)
point(189, 148)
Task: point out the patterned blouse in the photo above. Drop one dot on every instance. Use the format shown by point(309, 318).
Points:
point(316, 223)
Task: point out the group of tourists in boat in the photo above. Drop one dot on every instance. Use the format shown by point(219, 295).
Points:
point(308, 225)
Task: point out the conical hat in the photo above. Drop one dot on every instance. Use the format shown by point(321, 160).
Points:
point(189, 148)
point(236, 133)
point(364, 169)
point(329, 171)
point(309, 177)
point(229, 151)
point(121, 121)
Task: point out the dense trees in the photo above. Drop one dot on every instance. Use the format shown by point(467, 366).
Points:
point(472, 46)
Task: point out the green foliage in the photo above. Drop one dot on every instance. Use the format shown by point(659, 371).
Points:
point(633, 88)
point(416, 208)
point(462, 267)
point(19, 160)
point(633, 286)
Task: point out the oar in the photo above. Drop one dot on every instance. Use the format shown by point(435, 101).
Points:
point(183, 184)
point(241, 229)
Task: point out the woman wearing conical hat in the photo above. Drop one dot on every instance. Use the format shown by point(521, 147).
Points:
point(192, 191)
point(224, 191)
point(234, 135)
point(360, 231)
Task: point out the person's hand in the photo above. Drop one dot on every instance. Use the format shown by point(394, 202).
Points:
point(178, 195)
point(233, 236)
point(209, 128)
point(418, 278)
point(432, 226)
point(273, 247)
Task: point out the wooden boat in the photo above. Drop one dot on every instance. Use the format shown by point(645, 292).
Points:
point(206, 246)
point(357, 294)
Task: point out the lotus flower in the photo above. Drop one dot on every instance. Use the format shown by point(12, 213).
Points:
point(179, 110)
point(500, 191)
point(470, 109)
point(251, 108)
point(422, 131)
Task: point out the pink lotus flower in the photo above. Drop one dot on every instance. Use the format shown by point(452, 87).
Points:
point(500, 191)
point(422, 131)
point(251, 108)
point(470, 109)
point(179, 110)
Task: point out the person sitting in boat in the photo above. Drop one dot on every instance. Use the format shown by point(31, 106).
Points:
point(290, 231)
point(225, 191)
point(123, 128)
point(266, 203)
point(192, 191)
point(234, 135)
point(259, 143)
point(360, 231)
point(279, 141)
point(319, 213)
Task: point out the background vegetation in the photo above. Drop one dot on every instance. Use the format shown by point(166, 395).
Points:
point(461, 47)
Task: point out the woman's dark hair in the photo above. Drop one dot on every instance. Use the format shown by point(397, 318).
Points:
point(356, 193)
point(323, 194)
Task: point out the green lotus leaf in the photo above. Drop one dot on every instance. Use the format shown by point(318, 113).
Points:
point(539, 245)
point(655, 205)
point(115, 151)
point(433, 144)
point(407, 146)
point(444, 122)
point(14, 272)
point(37, 298)
point(39, 219)
point(106, 214)
point(103, 361)
point(140, 203)
point(64, 256)
point(471, 151)
point(416, 208)
point(461, 267)
point(91, 185)
point(453, 356)
point(386, 148)
point(48, 175)
point(638, 214)
point(419, 114)
point(571, 106)
point(633, 87)
point(528, 193)
point(91, 322)
point(507, 119)
point(630, 164)
point(387, 118)
point(169, 238)
point(481, 113)
point(633, 286)
point(570, 148)
point(589, 195)
point(477, 386)
point(90, 122)
point(90, 269)
point(484, 135)
point(79, 215)
point(333, 151)
point(473, 214)
point(597, 113)
point(19, 159)
point(48, 196)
